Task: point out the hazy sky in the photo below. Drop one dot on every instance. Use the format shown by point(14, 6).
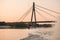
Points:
point(12, 10)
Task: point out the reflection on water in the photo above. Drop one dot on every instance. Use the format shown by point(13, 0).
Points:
point(17, 34)
point(40, 34)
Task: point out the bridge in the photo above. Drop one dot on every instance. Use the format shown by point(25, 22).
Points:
point(35, 10)
point(41, 22)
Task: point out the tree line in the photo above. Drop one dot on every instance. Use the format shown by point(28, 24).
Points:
point(23, 25)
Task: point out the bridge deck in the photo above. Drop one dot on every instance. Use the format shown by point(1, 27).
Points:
point(41, 22)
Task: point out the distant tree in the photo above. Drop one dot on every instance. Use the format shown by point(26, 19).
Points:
point(20, 25)
point(47, 25)
point(2, 23)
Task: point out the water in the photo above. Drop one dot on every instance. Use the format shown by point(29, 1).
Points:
point(12, 34)
point(40, 34)
point(17, 34)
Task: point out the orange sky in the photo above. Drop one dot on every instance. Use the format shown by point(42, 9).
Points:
point(12, 10)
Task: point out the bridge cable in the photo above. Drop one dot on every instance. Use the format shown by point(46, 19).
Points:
point(41, 15)
point(46, 12)
point(47, 9)
point(24, 15)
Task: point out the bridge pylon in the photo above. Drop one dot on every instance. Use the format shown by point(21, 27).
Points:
point(33, 16)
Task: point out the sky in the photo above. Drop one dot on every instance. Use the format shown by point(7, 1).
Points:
point(12, 10)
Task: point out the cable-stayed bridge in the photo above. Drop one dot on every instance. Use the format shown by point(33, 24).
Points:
point(36, 10)
point(33, 17)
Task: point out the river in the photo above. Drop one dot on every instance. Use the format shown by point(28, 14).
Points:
point(12, 34)
point(17, 34)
